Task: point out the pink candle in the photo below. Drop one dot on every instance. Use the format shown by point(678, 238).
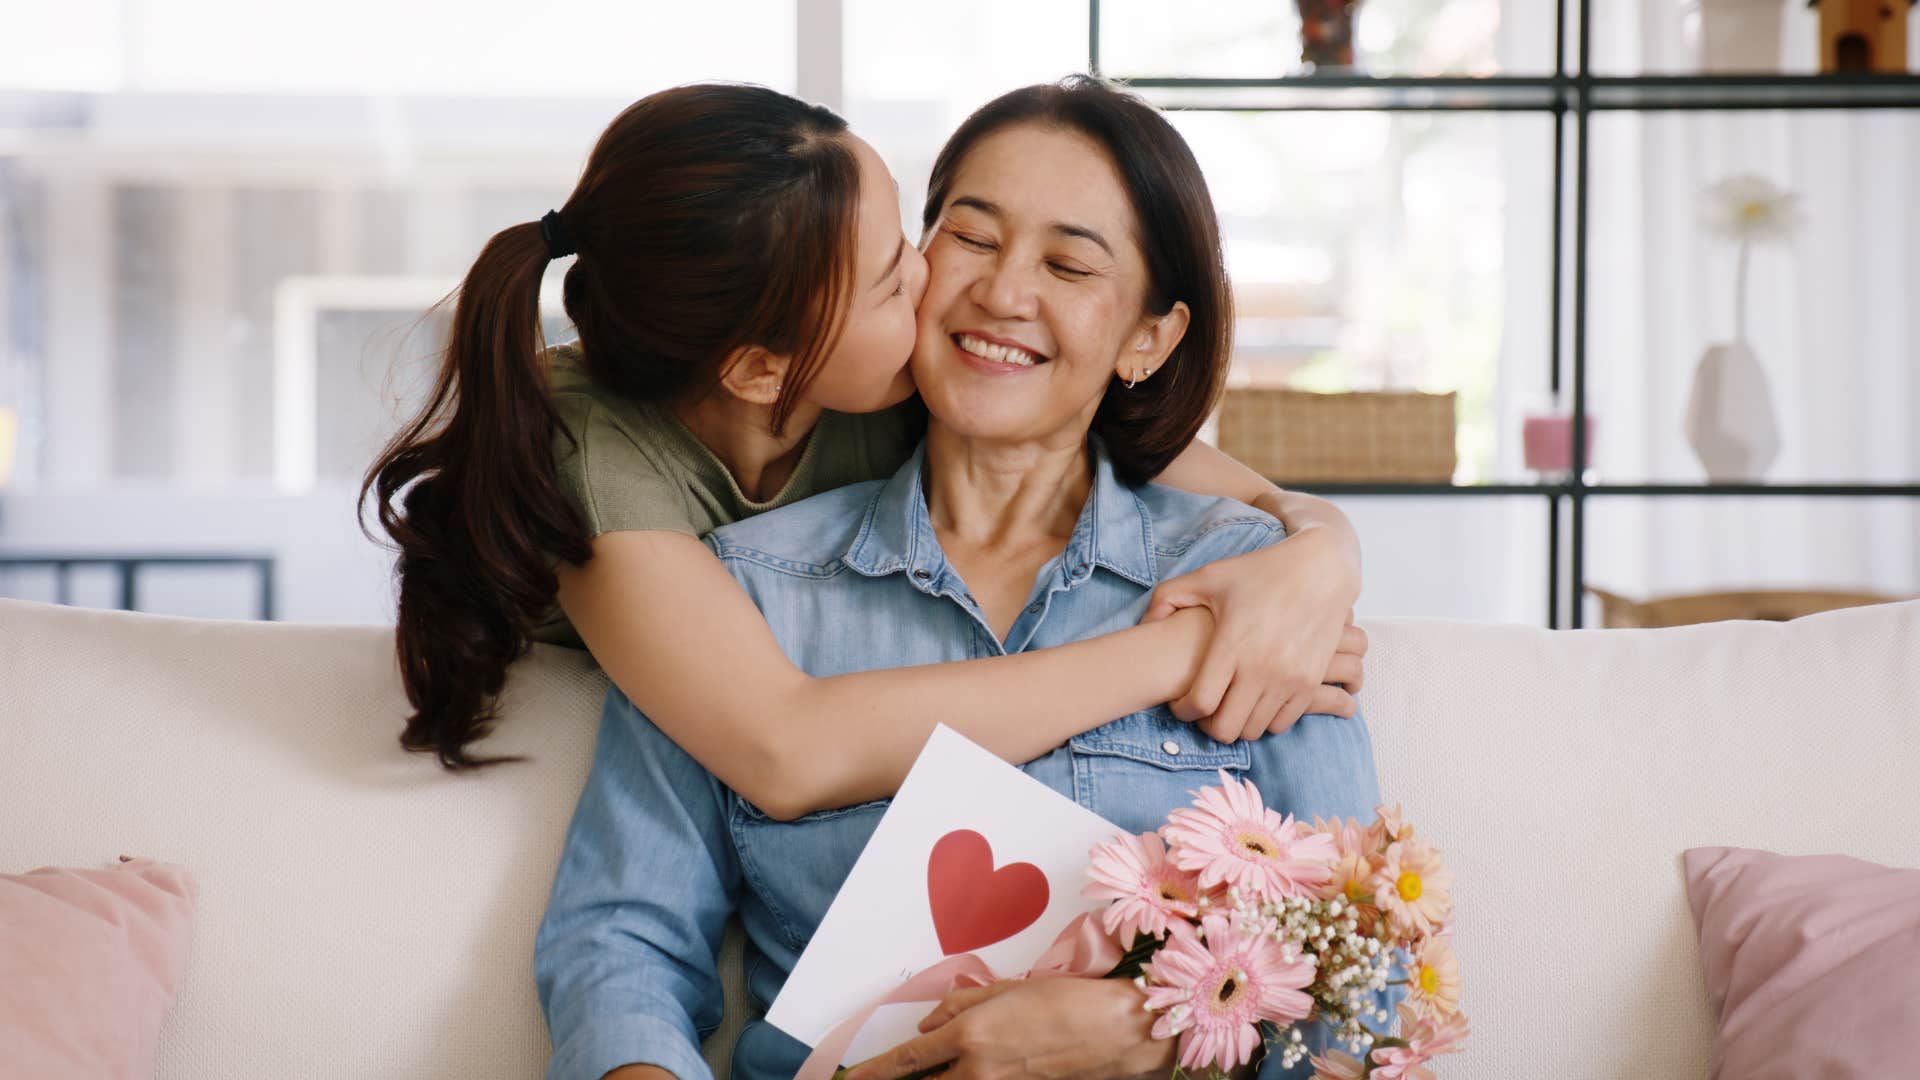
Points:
point(1547, 443)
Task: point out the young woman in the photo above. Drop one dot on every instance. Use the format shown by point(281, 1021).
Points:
point(744, 301)
point(1073, 247)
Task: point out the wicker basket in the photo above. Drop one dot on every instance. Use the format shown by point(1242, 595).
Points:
point(1618, 611)
point(1300, 436)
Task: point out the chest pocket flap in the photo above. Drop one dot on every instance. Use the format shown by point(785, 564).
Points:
point(1155, 737)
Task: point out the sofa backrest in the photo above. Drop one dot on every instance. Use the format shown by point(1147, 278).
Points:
point(364, 914)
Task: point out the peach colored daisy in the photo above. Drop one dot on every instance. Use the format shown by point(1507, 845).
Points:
point(1337, 1066)
point(1214, 988)
point(1412, 887)
point(1435, 978)
point(1389, 824)
point(1353, 864)
point(1230, 837)
point(1148, 892)
point(1426, 1040)
point(1435, 1037)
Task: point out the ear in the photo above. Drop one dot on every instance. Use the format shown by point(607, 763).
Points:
point(1151, 342)
point(753, 374)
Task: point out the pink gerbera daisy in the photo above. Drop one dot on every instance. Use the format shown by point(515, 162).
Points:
point(1230, 837)
point(1412, 887)
point(1147, 891)
point(1214, 988)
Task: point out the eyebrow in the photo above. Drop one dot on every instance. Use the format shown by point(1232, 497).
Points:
point(1080, 232)
point(888, 272)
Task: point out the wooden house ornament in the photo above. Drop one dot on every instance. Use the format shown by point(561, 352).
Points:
point(1862, 36)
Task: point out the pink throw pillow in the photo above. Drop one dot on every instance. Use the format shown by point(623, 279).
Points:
point(90, 961)
point(1812, 963)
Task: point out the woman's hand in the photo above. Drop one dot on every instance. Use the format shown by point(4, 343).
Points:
point(1088, 1029)
point(1284, 642)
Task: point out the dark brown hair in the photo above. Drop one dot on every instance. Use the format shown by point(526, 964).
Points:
point(1144, 428)
point(709, 217)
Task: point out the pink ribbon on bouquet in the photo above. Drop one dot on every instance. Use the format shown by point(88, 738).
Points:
point(1082, 951)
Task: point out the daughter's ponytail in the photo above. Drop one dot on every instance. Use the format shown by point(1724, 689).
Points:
point(482, 515)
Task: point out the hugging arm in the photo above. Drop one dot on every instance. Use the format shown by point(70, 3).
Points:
point(625, 957)
point(685, 643)
point(1284, 642)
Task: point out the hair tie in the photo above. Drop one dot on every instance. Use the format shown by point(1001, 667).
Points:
point(554, 231)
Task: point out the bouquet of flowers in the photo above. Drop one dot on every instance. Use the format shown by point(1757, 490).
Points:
point(1233, 916)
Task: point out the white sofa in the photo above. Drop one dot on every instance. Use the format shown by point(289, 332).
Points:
point(365, 915)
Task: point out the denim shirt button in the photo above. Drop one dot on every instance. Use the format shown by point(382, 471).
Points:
point(922, 575)
point(1033, 609)
point(1172, 748)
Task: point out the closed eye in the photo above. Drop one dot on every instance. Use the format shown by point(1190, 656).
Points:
point(1069, 272)
point(974, 242)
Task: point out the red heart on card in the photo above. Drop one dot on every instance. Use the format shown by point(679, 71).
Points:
point(975, 905)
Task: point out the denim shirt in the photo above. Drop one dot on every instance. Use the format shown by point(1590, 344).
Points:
point(660, 853)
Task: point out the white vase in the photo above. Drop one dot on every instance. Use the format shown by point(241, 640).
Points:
point(1730, 420)
point(1740, 35)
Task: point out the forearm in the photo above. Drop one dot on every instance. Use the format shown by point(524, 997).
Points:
point(1204, 470)
point(1018, 707)
point(688, 647)
point(1309, 515)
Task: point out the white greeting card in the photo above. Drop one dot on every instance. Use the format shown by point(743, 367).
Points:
point(973, 856)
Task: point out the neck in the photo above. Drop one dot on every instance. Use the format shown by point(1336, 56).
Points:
point(988, 494)
point(740, 434)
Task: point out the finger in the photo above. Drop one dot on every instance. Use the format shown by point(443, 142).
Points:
point(1264, 714)
point(963, 999)
point(1229, 722)
point(915, 1055)
point(1290, 714)
point(1329, 699)
point(1354, 640)
point(1166, 601)
point(1209, 688)
point(1345, 670)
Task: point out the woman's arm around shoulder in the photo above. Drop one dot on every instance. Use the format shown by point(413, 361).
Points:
point(684, 642)
point(1285, 644)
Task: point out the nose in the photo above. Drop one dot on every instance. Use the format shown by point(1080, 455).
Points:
point(913, 272)
point(1005, 290)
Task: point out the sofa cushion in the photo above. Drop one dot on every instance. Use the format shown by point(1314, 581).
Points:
point(1812, 962)
point(90, 961)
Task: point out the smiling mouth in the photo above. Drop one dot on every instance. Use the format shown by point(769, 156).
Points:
point(994, 352)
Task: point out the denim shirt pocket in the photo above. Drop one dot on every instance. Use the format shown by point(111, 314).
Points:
point(1137, 768)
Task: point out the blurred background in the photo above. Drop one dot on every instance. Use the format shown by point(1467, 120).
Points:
point(222, 225)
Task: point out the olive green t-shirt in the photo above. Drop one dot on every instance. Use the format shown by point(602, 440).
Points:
point(632, 465)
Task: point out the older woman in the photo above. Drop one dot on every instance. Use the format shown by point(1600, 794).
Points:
point(1073, 338)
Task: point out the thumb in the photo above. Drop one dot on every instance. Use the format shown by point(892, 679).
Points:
point(1167, 600)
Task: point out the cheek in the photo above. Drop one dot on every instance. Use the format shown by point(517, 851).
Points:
point(1086, 330)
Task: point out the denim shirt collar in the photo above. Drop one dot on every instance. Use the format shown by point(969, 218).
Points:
point(1114, 531)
